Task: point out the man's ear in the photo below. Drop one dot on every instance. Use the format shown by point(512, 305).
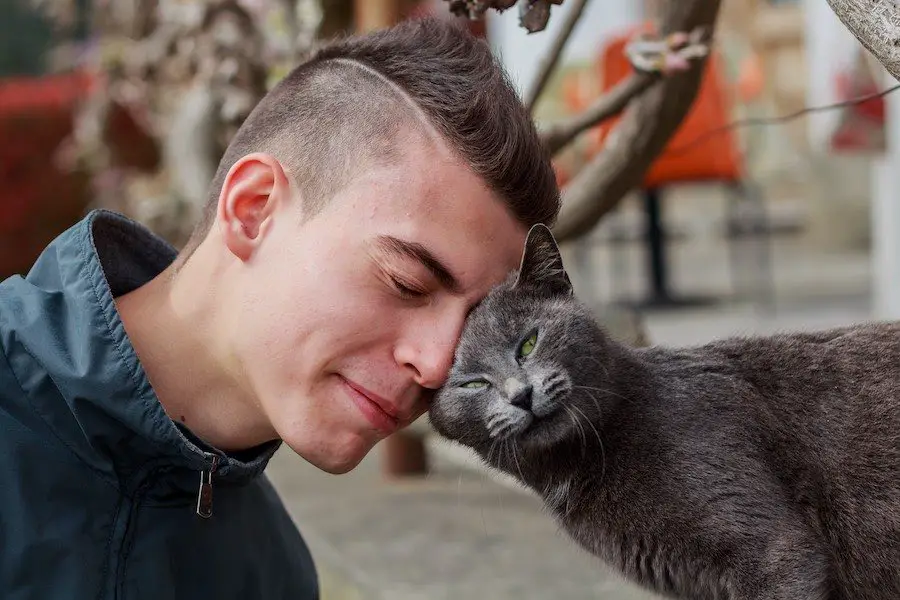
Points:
point(254, 187)
point(542, 267)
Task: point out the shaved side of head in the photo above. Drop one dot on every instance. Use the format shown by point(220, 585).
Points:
point(354, 104)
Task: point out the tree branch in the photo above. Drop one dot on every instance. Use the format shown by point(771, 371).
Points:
point(290, 15)
point(548, 64)
point(876, 24)
point(647, 126)
point(189, 148)
point(558, 135)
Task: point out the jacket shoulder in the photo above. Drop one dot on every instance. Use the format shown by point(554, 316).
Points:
point(31, 404)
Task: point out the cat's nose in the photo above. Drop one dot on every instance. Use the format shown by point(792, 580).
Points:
point(521, 397)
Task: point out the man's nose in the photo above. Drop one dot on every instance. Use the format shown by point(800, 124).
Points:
point(427, 349)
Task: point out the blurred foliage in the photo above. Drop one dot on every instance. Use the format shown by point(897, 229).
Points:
point(188, 72)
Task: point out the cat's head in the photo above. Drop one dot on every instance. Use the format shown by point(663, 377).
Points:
point(523, 355)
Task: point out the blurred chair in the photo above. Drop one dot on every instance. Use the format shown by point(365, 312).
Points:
point(693, 155)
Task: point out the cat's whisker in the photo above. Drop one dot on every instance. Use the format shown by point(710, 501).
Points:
point(493, 421)
point(599, 439)
point(490, 454)
point(515, 454)
point(575, 422)
point(596, 362)
point(555, 385)
point(498, 424)
point(504, 429)
point(601, 390)
point(588, 421)
point(596, 402)
point(501, 462)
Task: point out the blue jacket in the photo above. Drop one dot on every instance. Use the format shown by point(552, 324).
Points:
point(100, 490)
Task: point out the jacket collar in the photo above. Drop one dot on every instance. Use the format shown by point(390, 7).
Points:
point(99, 258)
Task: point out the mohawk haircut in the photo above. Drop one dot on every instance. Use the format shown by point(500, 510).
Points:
point(344, 109)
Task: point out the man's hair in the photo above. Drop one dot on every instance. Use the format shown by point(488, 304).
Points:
point(343, 109)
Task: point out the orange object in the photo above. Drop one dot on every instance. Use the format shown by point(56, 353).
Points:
point(715, 158)
point(752, 79)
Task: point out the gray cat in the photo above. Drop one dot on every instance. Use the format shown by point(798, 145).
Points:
point(745, 469)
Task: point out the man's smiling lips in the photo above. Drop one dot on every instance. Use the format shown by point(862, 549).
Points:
point(381, 412)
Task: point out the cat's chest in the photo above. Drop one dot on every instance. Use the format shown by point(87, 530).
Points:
point(620, 496)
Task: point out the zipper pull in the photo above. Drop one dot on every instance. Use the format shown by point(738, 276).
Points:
point(204, 496)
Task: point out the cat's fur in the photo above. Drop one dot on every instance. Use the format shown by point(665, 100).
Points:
point(765, 468)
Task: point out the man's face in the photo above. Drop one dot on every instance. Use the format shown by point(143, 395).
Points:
point(350, 319)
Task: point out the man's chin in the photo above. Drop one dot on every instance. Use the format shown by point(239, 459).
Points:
point(338, 467)
point(335, 459)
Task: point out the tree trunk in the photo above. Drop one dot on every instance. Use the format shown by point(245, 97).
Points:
point(876, 24)
point(646, 127)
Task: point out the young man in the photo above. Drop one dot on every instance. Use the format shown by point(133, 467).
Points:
point(365, 206)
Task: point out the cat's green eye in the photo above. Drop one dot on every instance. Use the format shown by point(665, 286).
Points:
point(528, 345)
point(475, 384)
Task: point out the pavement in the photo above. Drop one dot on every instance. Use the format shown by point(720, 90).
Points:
point(453, 534)
point(464, 532)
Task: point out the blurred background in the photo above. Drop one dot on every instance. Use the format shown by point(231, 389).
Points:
point(719, 229)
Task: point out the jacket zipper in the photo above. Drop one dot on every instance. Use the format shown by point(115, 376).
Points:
point(204, 495)
point(146, 479)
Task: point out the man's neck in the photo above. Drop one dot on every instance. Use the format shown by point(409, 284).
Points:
point(174, 332)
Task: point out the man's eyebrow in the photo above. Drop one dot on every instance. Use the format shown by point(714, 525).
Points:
point(420, 253)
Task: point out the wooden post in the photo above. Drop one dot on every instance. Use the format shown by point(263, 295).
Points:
point(370, 15)
point(404, 455)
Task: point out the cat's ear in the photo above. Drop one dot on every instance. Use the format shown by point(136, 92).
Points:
point(542, 266)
